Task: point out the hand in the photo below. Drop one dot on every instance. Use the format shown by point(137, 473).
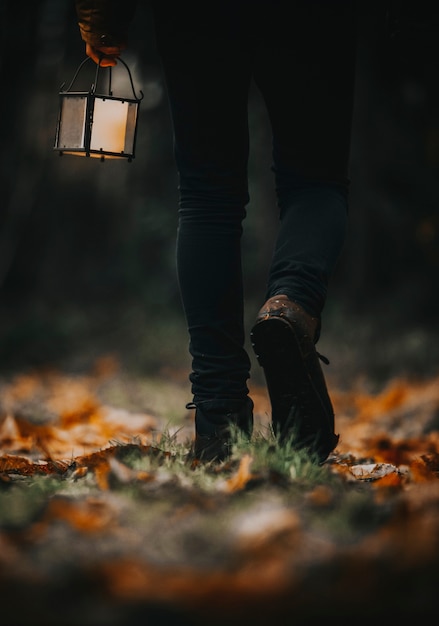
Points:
point(106, 56)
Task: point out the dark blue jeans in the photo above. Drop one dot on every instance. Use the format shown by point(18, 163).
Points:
point(301, 56)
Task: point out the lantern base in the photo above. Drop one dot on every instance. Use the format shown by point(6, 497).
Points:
point(95, 155)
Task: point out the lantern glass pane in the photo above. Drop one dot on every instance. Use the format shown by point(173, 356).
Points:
point(72, 122)
point(130, 136)
point(109, 125)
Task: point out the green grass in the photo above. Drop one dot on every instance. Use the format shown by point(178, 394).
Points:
point(269, 460)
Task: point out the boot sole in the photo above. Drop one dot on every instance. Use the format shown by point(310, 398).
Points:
point(287, 360)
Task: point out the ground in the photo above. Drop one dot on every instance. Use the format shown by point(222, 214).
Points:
point(103, 520)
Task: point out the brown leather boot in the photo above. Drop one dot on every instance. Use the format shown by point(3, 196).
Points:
point(283, 339)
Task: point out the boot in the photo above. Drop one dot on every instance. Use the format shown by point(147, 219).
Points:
point(213, 437)
point(283, 339)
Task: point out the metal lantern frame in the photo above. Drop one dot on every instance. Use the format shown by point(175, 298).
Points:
point(79, 112)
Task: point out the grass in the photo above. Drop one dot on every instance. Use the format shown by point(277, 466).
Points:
point(134, 524)
point(269, 508)
point(168, 464)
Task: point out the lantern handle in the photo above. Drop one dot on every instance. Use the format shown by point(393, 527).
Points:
point(75, 75)
point(131, 80)
point(98, 67)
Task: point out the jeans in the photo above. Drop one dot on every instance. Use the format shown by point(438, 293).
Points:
point(301, 56)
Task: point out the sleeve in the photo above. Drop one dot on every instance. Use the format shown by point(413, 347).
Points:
point(105, 22)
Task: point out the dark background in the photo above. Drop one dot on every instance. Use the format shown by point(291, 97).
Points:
point(87, 248)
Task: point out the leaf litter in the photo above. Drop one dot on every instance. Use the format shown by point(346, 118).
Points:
point(105, 520)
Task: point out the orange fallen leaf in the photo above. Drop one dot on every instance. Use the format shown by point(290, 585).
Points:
point(80, 413)
point(241, 477)
point(423, 470)
point(391, 480)
point(90, 515)
point(12, 464)
point(390, 398)
point(322, 495)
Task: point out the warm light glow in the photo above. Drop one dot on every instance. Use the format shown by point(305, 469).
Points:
point(97, 126)
point(109, 125)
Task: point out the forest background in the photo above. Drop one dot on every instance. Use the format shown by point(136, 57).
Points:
point(93, 350)
point(87, 248)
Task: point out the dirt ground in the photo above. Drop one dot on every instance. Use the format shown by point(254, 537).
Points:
point(93, 532)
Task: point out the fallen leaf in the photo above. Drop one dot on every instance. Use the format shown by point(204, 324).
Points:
point(241, 477)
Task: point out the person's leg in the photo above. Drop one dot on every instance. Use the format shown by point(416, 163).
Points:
point(207, 78)
point(307, 80)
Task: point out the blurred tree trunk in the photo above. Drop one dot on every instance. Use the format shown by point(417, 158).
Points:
point(32, 44)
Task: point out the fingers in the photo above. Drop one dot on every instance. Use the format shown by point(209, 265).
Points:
point(105, 56)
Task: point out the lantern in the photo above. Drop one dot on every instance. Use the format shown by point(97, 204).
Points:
point(97, 125)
